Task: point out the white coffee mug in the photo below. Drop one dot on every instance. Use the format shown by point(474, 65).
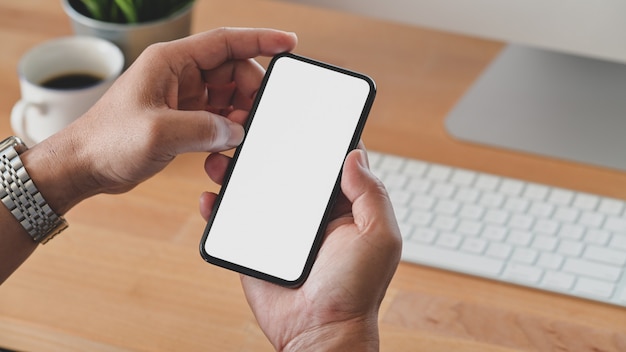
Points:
point(44, 110)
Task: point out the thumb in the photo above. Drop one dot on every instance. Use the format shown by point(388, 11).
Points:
point(370, 202)
point(200, 131)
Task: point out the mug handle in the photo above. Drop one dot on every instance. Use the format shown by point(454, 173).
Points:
point(18, 117)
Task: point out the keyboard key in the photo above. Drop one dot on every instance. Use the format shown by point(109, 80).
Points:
point(474, 245)
point(491, 200)
point(521, 272)
point(614, 224)
point(574, 232)
point(585, 201)
point(423, 202)
point(594, 287)
point(605, 255)
point(418, 185)
point(611, 206)
point(390, 163)
point(420, 218)
point(399, 197)
point(536, 192)
point(525, 255)
point(560, 196)
point(564, 214)
point(442, 190)
point(415, 168)
point(473, 212)
point(444, 223)
point(543, 210)
point(463, 177)
point(545, 243)
point(395, 181)
point(469, 228)
point(550, 260)
point(521, 222)
point(499, 250)
point(591, 269)
point(438, 173)
point(591, 219)
point(424, 235)
point(496, 217)
point(467, 195)
point(570, 248)
point(519, 238)
point(599, 237)
point(495, 233)
point(618, 242)
point(511, 187)
point(516, 205)
point(558, 280)
point(451, 259)
point(546, 227)
point(448, 207)
point(487, 182)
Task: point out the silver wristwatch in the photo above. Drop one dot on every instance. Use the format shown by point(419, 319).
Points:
point(21, 197)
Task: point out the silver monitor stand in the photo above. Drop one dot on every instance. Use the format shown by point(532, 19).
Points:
point(547, 103)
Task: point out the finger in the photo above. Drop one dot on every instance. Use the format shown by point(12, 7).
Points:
point(372, 212)
point(221, 96)
point(215, 167)
point(207, 200)
point(212, 48)
point(370, 202)
point(196, 131)
point(243, 75)
point(238, 116)
point(243, 102)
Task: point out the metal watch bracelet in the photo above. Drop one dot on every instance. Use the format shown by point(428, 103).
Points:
point(20, 195)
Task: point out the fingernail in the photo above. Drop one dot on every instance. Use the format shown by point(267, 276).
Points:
point(236, 135)
point(362, 159)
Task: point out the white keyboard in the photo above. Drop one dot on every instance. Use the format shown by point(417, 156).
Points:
point(508, 230)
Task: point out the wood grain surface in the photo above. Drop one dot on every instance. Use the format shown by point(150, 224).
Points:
point(127, 275)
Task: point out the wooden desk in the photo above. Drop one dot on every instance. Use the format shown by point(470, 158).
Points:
point(127, 274)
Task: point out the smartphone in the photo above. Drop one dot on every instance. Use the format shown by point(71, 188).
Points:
point(270, 215)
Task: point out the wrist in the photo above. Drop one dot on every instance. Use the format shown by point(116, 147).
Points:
point(58, 173)
point(354, 335)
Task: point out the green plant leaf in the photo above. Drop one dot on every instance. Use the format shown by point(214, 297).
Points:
point(128, 9)
point(132, 11)
point(95, 8)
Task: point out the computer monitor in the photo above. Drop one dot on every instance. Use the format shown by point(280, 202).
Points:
point(558, 89)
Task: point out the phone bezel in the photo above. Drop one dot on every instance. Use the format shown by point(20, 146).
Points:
point(323, 223)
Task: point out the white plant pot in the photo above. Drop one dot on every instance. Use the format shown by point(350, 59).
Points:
point(132, 39)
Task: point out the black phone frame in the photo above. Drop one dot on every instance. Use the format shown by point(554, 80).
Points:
point(323, 223)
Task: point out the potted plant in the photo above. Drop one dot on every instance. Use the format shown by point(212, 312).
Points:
point(131, 24)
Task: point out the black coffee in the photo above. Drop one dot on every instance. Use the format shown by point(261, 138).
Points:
point(71, 81)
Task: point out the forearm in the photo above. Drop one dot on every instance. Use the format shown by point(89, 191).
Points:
point(15, 244)
point(50, 169)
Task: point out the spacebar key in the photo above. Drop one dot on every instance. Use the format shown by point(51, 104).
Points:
point(453, 260)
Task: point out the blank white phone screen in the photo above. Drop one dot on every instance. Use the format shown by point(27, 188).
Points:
point(280, 186)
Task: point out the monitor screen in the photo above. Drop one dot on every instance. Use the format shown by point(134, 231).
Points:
point(556, 91)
